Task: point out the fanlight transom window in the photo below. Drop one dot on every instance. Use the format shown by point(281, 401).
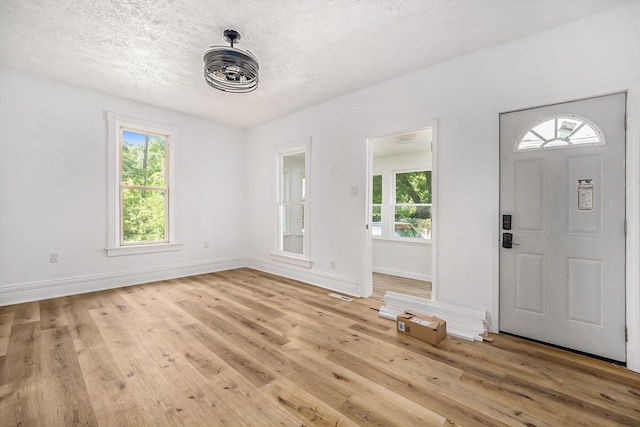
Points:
point(560, 132)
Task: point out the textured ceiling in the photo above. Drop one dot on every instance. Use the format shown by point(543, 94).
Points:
point(309, 50)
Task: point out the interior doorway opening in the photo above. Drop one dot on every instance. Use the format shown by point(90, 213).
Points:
point(401, 207)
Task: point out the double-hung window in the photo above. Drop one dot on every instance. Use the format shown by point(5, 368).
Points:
point(140, 211)
point(293, 169)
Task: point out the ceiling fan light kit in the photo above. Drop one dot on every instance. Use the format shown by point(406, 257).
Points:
point(229, 69)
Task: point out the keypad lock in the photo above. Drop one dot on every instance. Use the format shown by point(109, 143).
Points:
point(507, 240)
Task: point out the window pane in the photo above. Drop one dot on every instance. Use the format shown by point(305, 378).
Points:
point(143, 215)
point(377, 190)
point(376, 220)
point(585, 135)
point(413, 187)
point(529, 141)
point(413, 221)
point(143, 159)
point(546, 129)
point(566, 126)
point(293, 178)
point(292, 231)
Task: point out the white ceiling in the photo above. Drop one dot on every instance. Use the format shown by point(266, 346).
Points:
point(309, 50)
point(406, 143)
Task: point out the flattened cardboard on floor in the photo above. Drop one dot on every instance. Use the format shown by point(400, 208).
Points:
point(430, 329)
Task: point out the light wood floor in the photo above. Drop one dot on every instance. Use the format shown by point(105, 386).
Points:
point(248, 348)
point(384, 282)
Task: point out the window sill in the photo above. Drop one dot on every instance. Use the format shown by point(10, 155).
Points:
point(143, 249)
point(292, 259)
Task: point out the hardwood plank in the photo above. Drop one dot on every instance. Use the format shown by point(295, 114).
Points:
point(114, 403)
point(306, 407)
point(425, 394)
point(384, 282)
point(26, 313)
point(52, 313)
point(251, 368)
point(23, 353)
point(6, 322)
point(66, 388)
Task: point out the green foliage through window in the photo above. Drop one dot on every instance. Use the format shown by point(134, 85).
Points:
point(143, 187)
point(413, 204)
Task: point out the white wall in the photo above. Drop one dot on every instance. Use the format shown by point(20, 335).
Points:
point(53, 192)
point(593, 56)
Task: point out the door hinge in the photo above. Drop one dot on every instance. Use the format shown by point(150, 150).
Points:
point(625, 228)
point(626, 334)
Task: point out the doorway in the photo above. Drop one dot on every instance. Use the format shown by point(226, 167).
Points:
point(562, 201)
point(401, 206)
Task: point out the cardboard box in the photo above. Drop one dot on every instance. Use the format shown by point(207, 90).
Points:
point(426, 328)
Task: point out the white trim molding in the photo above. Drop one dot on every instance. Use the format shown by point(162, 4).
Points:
point(36, 291)
point(633, 228)
point(404, 274)
point(334, 282)
point(290, 259)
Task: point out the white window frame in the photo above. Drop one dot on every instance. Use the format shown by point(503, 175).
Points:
point(115, 247)
point(292, 148)
point(391, 222)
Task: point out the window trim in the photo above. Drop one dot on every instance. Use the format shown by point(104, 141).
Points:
point(295, 147)
point(115, 246)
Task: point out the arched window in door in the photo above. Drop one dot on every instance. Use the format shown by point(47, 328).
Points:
point(560, 132)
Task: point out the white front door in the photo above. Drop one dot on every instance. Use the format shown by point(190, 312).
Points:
point(562, 201)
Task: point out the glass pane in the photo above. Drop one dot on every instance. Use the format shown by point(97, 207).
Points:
point(376, 189)
point(376, 220)
point(546, 129)
point(529, 141)
point(566, 126)
point(413, 187)
point(143, 215)
point(292, 228)
point(293, 178)
point(585, 135)
point(413, 221)
point(143, 159)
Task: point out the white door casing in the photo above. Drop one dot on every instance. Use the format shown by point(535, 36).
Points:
point(563, 281)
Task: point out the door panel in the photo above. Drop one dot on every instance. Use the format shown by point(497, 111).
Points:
point(586, 291)
point(563, 280)
point(530, 282)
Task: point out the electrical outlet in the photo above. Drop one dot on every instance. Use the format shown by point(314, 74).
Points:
point(54, 257)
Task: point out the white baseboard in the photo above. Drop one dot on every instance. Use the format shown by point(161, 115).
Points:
point(343, 284)
point(415, 276)
point(35, 291)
